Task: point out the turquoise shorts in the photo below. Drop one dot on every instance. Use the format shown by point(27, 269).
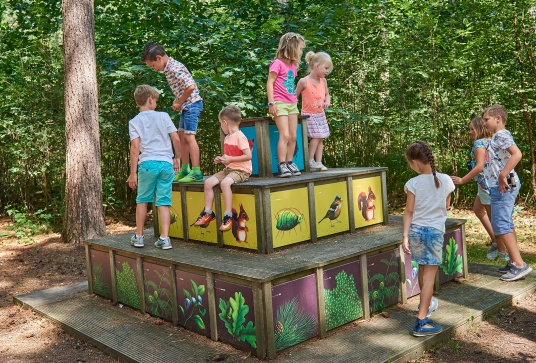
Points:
point(426, 245)
point(285, 108)
point(155, 177)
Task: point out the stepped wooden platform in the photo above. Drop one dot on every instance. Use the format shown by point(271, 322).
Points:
point(266, 303)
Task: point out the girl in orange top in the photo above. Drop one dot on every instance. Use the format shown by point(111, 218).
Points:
point(315, 97)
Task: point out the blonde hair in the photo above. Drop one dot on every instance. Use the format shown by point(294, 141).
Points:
point(496, 110)
point(143, 92)
point(480, 128)
point(421, 151)
point(289, 47)
point(314, 59)
point(231, 113)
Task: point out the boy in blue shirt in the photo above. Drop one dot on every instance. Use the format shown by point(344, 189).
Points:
point(152, 164)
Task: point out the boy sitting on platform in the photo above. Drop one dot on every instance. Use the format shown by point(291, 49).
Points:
point(152, 164)
point(237, 160)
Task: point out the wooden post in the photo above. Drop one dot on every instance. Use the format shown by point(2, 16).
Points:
point(312, 210)
point(364, 286)
point(111, 255)
point(89, 270)
point(350, 202)
point(322, 329)
point(260, 320)
point(213, 315)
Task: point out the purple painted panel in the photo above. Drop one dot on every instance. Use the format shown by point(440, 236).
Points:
point(101, 274)
point(412, 277)
point(452, 265)
point(192, 302)
point(343, 295)
point(158, 290)
point(236, 316)
point(383, 279)
point(295, 311)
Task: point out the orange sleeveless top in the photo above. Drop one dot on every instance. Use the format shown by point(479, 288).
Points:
point(313, 96)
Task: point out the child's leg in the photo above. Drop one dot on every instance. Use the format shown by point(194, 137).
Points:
point(208, 188)
point(225, 186)
point(510, 241)
point(291, 143)
point(141, 215)
point(313, 145)
point(193, 149)
point(319, 150)
point(164, 217)
point(282, 124)
point(185, 152)
point(482, 214)
point(427, 275)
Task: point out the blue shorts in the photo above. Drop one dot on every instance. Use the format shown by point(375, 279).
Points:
point(155, 177)
point(502, 207)
point(426, 245)
point(190, 118)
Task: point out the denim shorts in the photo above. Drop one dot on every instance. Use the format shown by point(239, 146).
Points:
point(190, 118)
point(485, 199)
point(285, 108)
point(502, 207)
point(155, 177)
point(426, 245)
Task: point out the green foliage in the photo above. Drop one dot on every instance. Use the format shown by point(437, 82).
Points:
point(293, 326)
point(159, 302)
point(27, 224)
point(343, 303)
point(233, 314)
point(452, 262)
point(193, 305)
point(127, 287)
point(388, 288)
point(100, 287)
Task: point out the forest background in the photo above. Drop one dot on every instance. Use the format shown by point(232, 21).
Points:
point(403, 70)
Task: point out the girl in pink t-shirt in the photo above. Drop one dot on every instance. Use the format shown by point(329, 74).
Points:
point(315, 97)
point(282, 100)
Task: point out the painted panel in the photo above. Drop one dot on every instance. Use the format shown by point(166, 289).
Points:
point(383, 280)
point(236, 315)
point(175, 228)
point(331, 206)
point(343, 295)
point(452, 265)
point(412, 276)
point(244, 231)
point(298, 158)
point(249, 132)
point(195, 202)
point(290, 217)
point(192, 302)
point(368, 201)
point(101, 274)
point(295, 312)
point(125, 279)
point(158, 290)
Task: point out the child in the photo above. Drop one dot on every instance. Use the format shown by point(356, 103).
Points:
point(282, 100)
point(152, 157)
point(428, 197)
point(187, 101)
point(315, 97)
point(481, 206)
point(237, 160)
point(504, 187)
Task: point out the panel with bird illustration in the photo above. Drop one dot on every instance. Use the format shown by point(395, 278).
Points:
point(331, 206)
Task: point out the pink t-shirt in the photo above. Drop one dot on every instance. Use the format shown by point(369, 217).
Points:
point(284, 83)
point(233, 145)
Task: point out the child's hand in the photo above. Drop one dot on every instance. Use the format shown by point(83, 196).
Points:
point(176, 105)
point(326, 104)
point(272, 110)
point(217, 159)
point(132, 181)
point(503, 184)
point(405, 245)
point(226, 160)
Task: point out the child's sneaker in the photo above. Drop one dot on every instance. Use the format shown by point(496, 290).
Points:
point(192, 177)
point(516, 273)
point(313, 165)
point(136, 241)
point(283, 171)
point(424, 327)
point(293, 169)
point(493, 252)
point(163, 243)
point(204, 219)
point(504, 256)
point(321, 166)
point(181, 174)
point(505, 268)
point(227, 223)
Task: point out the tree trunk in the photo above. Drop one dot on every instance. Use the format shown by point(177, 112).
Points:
point(84, 216)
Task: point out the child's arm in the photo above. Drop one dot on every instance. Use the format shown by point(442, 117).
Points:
point(272, 109)
point(179, 101)
point(515, 157)
point(302, 84)
point(480, 155)
point(176, 149)
point(134, 157)
point(406, 220)
point(327, 102)
point(226, 159)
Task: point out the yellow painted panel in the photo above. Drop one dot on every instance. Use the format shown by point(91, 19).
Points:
point(244, 231)
point(368, 201)
point(331, 206)
point(175, 229)
point(290, 217)
point(195, 202)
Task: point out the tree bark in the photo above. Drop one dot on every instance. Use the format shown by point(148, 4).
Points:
point(84, 216)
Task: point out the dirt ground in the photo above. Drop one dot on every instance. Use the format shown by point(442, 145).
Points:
point(509, 336)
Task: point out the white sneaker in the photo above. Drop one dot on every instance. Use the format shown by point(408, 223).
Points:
point(313, 165)
point(163, 243)
point(136, 241)
point(321, 166)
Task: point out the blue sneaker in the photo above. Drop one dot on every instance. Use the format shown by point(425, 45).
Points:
point(516, 273)
point(424, 327)
point(433, 306)
point(505, 268)
point(163, 243)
